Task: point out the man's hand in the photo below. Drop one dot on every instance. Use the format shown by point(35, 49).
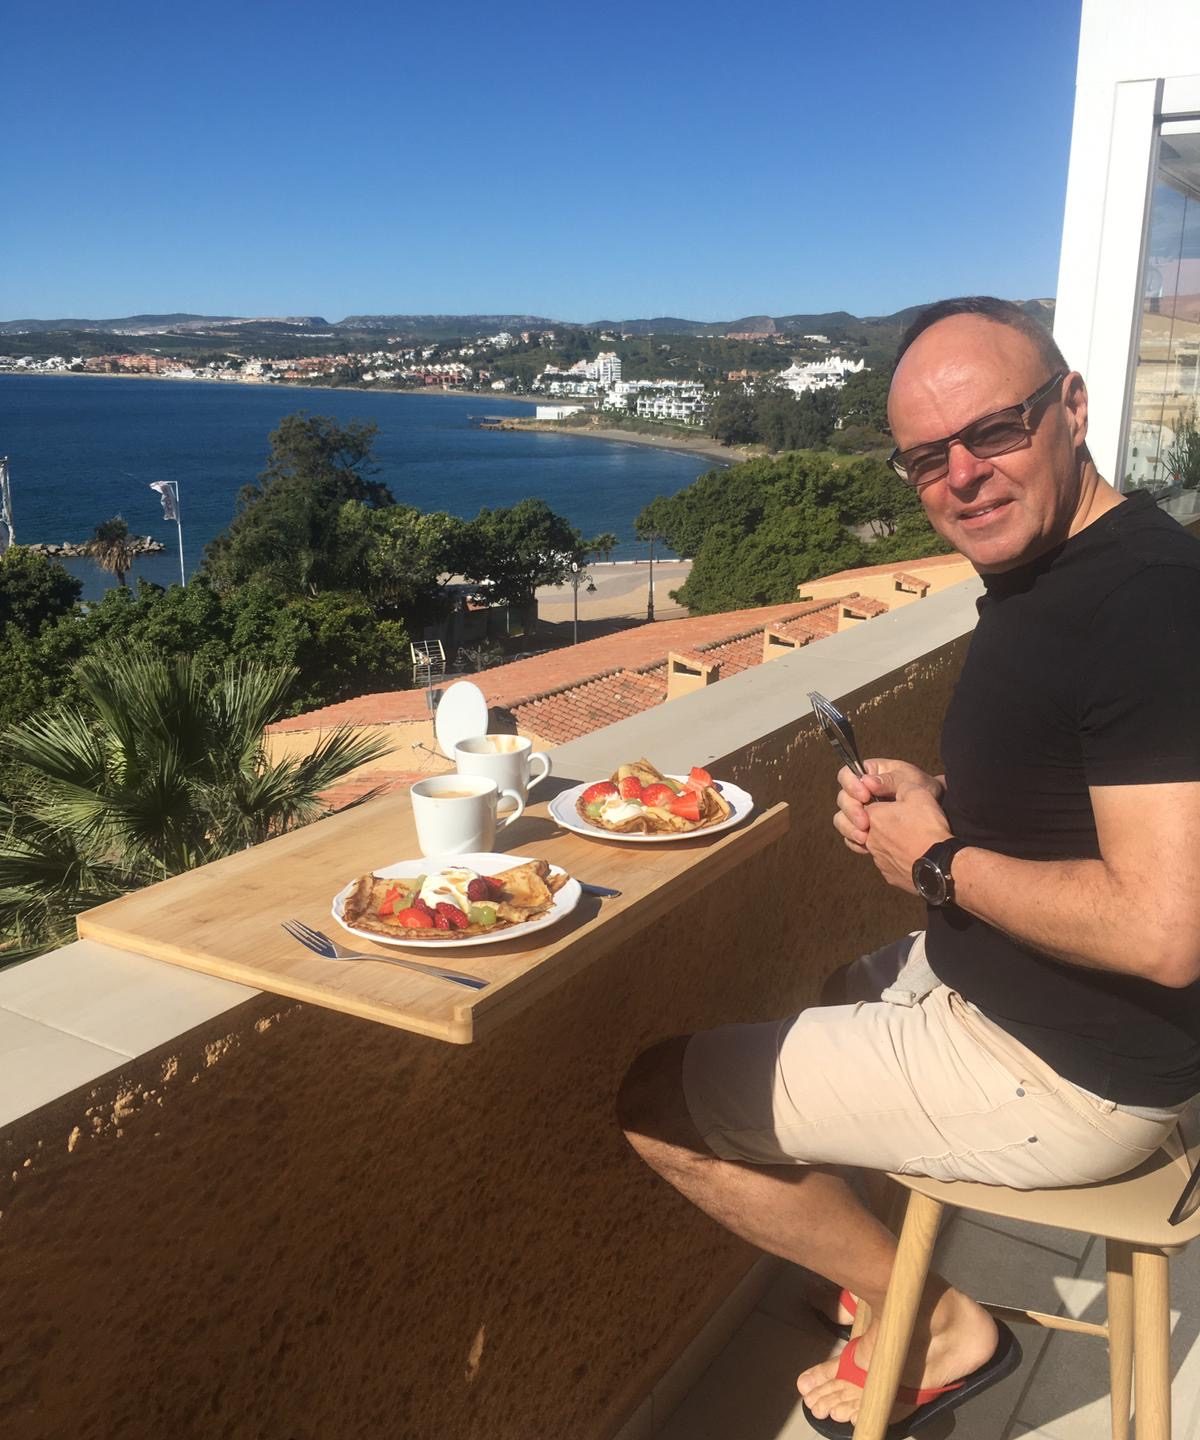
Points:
point(883, 778)
point(900, 833)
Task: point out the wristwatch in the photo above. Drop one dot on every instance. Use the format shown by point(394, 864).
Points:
point(931, 873)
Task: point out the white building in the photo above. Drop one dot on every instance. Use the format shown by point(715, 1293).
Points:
point(1128, 305)
point(682, 402)
point(819, 374)
point(556, 412)
point(607, 368)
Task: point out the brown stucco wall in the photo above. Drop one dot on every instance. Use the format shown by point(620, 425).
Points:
point(294, 1225)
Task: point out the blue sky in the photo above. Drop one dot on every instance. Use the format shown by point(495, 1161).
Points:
point(702, 159)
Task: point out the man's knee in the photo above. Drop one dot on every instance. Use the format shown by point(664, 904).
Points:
point(650, 1102)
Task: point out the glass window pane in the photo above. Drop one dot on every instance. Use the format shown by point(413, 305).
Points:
point(1163, 449)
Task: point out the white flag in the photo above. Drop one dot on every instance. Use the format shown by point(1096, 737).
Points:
point(168, 493)
point(6, 521)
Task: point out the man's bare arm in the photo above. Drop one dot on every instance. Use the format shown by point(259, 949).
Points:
point(1135, 911)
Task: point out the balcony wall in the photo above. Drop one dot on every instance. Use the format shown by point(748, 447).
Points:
point(285, 1222)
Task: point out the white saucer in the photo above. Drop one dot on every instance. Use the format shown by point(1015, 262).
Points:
point(462, 714)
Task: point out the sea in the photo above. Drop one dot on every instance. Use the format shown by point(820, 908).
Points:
point(82, 449)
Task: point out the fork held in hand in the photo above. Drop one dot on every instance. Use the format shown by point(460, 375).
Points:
point(838, 731)
point(322, 945)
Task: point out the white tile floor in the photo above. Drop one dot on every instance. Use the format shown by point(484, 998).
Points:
point(1060, 1391)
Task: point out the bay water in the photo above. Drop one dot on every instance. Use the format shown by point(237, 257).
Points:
point(82, 449)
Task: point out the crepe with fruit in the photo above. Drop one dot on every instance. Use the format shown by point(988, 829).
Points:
point(453, 903)
point(639, 799)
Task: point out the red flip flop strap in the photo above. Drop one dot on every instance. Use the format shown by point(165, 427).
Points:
point(848, 1302)
point(850, 1370)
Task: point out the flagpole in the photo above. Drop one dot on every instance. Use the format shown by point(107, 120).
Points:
point(168, 493)
point(179, 528)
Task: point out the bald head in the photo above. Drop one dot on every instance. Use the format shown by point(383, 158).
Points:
point(958, 369)
point(1003, 312)
point(999, 509)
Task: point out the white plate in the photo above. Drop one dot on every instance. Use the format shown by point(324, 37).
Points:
point(462, 713)
point(562, 808)
point(565, 900)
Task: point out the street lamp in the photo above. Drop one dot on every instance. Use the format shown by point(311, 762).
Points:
point(575, 579)
point(650, 592)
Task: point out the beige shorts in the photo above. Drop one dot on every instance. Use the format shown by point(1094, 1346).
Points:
point(928, 1087)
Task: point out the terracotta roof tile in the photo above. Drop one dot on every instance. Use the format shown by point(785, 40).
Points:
point(698, 658)
point(572, 691)
point(579, 709)
point(864, 605)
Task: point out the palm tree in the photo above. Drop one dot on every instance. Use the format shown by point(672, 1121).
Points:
point(160, 768)
point(111, 547)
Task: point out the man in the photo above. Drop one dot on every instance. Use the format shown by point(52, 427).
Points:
point(1046, 1028)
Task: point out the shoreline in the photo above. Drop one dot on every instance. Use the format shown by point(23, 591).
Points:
point(685, 444)
point(276, 384)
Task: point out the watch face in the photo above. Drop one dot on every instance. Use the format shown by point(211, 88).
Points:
point(930, 882)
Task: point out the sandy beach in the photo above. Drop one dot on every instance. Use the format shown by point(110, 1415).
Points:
point(687, 444)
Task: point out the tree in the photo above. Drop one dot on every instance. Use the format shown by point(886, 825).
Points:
point(733, 418)
point(786, 421)
point(34, 590)
point(293, 528)
point(111, 548)
point(760, 529)
point(160, 768)
point(875, 496)
point(336, 642)
point(512, 552)
point(794, 543)
point(862, 400)
point(410, 557)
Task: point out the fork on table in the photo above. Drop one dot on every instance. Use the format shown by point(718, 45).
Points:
point(322, 945)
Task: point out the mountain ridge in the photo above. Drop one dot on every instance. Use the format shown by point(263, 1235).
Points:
point(832, 322)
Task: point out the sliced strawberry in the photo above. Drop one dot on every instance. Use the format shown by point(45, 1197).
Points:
point(479, 889)
point(424, 907)
point(630, 788)
point(457, 918)
point(414, 919)
point(699, 777)
point(440, 922)
point(657, 795)
point(494, 883)
point(599, 791)
point(394, 895)
point(687, 806)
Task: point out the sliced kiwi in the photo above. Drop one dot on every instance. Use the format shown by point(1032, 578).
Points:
point(481, 914)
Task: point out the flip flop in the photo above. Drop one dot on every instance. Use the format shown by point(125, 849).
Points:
point(937, 1400)
point(837, 1327)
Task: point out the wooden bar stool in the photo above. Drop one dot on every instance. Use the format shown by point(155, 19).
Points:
point(1132, 1214)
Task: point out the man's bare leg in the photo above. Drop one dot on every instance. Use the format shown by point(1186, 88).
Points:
point(804, 1214)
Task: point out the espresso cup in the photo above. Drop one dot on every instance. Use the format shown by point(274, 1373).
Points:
point(509, 760)
point(456, 814)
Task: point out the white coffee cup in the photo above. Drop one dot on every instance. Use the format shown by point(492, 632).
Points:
point(509, 760)
point(456, 814)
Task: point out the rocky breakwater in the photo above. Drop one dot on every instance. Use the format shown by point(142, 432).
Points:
point(71, 549)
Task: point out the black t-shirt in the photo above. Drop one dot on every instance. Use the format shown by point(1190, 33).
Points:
point(1084, 670)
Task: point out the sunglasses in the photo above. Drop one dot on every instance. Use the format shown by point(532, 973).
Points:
point(990, 435)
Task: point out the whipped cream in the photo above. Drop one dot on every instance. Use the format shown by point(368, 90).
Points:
point(449, 887)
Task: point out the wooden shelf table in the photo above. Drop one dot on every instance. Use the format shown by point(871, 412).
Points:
point(224, 919)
